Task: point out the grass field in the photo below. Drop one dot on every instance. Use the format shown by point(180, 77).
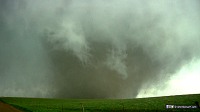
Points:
point(101, 105)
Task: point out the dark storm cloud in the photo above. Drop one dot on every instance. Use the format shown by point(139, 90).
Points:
point(94, 49)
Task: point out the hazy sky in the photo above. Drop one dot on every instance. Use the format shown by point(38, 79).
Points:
point(99, 48)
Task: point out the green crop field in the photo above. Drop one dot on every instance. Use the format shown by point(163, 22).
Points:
point(101, 105)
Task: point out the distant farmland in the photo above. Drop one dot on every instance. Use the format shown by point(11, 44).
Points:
point(101, 105)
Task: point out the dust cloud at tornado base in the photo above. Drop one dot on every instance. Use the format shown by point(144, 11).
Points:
point(93, 48)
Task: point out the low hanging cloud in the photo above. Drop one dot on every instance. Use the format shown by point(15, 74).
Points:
point(94, 49)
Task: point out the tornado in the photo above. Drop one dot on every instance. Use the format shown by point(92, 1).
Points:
point(99, 48)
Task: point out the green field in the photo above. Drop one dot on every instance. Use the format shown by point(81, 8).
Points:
point(101, 105)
